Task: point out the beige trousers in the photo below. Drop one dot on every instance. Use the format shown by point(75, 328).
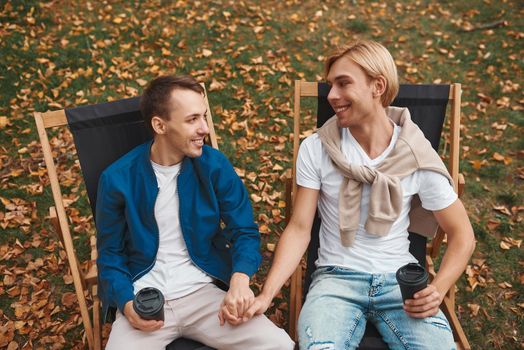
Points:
point(195, 316)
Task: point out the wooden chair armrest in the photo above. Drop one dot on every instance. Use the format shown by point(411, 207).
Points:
point(461, 184)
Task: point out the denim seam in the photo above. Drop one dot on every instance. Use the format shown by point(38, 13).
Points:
point(393, 328)
point(352, 331)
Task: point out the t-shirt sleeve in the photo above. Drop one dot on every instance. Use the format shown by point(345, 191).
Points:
point(308, 159)
point(435, 192)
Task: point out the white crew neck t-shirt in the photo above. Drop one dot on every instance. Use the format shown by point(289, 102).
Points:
point(369, 253)
point(174, 274)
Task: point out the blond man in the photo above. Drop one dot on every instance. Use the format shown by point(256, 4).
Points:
point(361, 169)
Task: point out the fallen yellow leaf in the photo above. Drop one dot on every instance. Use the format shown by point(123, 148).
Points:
point(504, 245)
point(3, 122)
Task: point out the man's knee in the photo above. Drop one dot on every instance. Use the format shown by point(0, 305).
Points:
point(275, 337)
point(282, 341)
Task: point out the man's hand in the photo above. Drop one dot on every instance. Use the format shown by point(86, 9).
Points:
point(259, 306)
point(237, 301)
point(137, 322)
point(425, 302)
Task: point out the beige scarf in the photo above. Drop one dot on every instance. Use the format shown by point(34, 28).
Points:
point(412, 151)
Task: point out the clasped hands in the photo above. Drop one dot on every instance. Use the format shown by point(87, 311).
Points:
point(239, 304)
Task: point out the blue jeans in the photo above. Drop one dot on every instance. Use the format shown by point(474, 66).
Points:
point(340, 302)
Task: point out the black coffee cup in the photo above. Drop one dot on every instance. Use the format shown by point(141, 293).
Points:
point(149, 304)
point(411, 278)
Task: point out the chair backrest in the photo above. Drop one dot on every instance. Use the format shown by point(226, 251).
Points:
point(427, 105)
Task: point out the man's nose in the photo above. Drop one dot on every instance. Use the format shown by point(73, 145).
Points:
point(203, 127)
point(332, 95)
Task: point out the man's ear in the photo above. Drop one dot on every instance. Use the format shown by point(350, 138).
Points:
point(158, 125)
point(379, 86)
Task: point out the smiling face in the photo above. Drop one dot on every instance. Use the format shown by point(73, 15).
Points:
point(354, 96)
point(182, 134)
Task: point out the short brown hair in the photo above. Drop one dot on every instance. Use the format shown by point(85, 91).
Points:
point(155, 98)
point(375, 60)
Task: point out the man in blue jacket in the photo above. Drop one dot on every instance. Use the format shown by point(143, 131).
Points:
point(172, 214)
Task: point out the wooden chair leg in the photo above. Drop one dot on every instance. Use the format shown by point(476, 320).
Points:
point(448, 307)
point(79, 282)
point(295, 301)
point(458, 332)
point(97, 325)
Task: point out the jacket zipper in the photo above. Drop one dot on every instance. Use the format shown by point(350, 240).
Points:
point(147, 269)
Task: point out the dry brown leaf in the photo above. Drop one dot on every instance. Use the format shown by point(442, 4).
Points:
point(493, 224)
point(502, 209)
point(504, 245)
point(68, 279)
point(474, 309)
point(9, 280)
point(263, 229)
point(68, 299)
point(141, 82)
point(504, 285)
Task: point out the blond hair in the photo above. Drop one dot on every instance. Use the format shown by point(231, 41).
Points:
point(375, 60)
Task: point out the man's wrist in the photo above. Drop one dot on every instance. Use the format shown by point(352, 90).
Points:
point(440, 289)
point(239, 278)
point(127, 307)
point(267, 297)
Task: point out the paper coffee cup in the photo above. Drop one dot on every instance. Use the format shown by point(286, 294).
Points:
point(411, 278)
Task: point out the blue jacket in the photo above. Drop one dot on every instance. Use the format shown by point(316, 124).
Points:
point(215, 214)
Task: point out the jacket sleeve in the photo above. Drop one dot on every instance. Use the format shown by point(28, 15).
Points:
point(116, 287)
point(237, 215)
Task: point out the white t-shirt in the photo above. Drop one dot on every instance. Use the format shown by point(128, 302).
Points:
point(174, 274)
point(369, 253)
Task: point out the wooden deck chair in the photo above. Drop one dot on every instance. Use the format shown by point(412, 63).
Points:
point(427, 105)
point(102, 133)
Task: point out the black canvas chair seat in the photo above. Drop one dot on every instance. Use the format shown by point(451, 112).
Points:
point(427, 106)
point(187, 344)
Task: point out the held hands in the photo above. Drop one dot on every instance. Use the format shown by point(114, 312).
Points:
point(237, 300)
point(425, 302)
point(137, 322)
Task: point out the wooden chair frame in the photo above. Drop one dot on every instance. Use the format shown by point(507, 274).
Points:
point(310, 89)
point(84, 280)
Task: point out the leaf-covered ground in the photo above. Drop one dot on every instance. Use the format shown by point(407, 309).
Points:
point(58, 54)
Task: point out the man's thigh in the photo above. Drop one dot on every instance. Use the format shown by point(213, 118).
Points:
point(199, 315)
point(401, 331)
point(124, 336)
point(333, 316)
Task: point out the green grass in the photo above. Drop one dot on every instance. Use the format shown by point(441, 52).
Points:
point(47, 48)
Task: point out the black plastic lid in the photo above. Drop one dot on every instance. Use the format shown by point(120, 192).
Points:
point(412, 273)
point(148, 301)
